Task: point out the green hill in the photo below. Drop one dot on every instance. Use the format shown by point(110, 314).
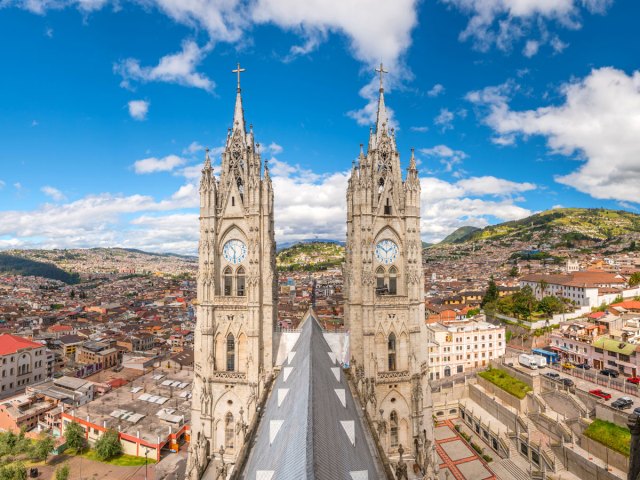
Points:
point(310, 256)
point(460, 234)
point(14, 265)
point(571, 224)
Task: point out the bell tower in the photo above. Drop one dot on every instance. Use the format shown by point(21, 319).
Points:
point(237, 303)
point(384, 307)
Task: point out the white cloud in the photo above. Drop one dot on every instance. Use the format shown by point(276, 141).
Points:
point(17, 186)
point(34, 123)
point(2, 184)
point(531, 48)
point(153, 164)
point(138, 109)
point(53, 192)
point(274, 148)
point(501, 23)
point(420, 129)
point(447, 156)
point(444, 119)
point(193, 148)
point(367, 114)
point(598, 123)
point(49, 32)
point(177, 68)
point(436, 90)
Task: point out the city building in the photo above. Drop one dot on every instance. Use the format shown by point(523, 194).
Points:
point(97, 353)
point(22, 362)
point(463, 346)
point(23, 412)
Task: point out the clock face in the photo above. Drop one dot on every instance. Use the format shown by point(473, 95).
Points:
point(386, 252)
point(234, 251)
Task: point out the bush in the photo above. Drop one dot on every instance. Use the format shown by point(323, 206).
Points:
point(506, 382)
point(42, 447)
point(13, 471)
point(611, 435)
point(486, 458)
point(108, 445)
point(477, 448)
point(62, 473)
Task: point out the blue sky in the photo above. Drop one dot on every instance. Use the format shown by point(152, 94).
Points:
point(513, 106)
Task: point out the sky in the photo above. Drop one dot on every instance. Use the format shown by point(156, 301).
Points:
point(512, 106)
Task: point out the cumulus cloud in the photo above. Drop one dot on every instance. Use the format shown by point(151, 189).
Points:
point(138, 109)
point(444, 119)
point(501, 23)
point(192, 148)
point(446, 155)
point(177, 68)
point(598, 123)
point(53, 193)
point(421, 128)
point(153, 164)
point(436, 90)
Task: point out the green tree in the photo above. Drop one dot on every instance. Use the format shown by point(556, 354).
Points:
point(634, 279)
point(523, 303)
point(491, 295)
point(13, 471)
point(62, 472)
point(108, 445)
point(74, 436)
point(550, 305)
point(514, 271)
point(42, 448)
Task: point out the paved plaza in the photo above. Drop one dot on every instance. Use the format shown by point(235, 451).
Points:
point(457, 457)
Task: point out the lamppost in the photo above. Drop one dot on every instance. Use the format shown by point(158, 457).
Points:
point(146, 452)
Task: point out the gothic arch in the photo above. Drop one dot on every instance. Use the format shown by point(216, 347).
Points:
point(388, 233)
point(232, 232)
point(221, 408)
point(395, 401)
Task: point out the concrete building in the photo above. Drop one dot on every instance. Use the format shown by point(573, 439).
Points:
point(463, 346)
point(151, 414)
point(69, 391)
point(23, 411)
point(22, 362)
point(97, 353)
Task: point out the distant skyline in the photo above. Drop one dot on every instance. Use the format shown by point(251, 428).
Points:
point(513, 107)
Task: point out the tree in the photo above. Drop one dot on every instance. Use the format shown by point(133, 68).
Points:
point(108, 445)
point(43, 447)
point(523, 303)
point(13, 471)
point(634, 279)
point(74, 436)
point(514, 271)
point(62, 473)
point(491, 295)
point(550, 305)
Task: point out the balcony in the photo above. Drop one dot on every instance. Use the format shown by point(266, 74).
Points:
point(393, 376)
point(229, 377)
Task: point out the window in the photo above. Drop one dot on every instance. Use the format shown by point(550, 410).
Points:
point(393, 280)
point(380, 279)
point(228, 281)
point(229, 431)
point(393, 430)
point(391, 346)
point(231, 353)
point(233, 201)
point(459, 369)
point(387, 208)
point(447, 371)
point(240, 282)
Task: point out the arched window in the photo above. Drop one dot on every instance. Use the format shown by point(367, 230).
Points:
point(393, 429)
point(240, 282)
point(447, 371)
point(391, 348)
point(240, 188)
point(229, 431)
point(393, 281)
point(228, 281)
point(380, 280)
point(231, 353)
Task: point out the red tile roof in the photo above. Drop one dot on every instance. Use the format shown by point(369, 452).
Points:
point(628, 305)
point(11, 344)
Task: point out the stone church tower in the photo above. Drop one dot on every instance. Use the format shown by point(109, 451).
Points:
point(384, 307)
point(236, 297)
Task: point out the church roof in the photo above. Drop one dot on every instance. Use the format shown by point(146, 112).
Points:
point(311, 427)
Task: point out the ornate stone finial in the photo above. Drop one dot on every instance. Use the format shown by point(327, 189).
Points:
point(401, 466)
point(381, 71)
point(412, 161)
point(361, 150)
point(207, 160)
point(238, 71)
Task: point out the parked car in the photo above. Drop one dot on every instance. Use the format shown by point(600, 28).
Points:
point(610, 373)
point(599, 393)
point(553, 375)
point(622, 402)
point(636, 411)
point(568, 365)
point(567, 382)
point(584, 366)
point(634, 380)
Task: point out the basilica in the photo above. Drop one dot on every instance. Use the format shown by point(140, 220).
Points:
point(309, 403)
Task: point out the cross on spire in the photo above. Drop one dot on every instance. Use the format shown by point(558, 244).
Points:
point(238, 71)
point(381, 71)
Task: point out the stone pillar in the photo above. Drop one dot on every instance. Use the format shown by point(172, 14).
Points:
point(634, 458)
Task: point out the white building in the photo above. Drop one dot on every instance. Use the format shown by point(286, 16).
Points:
point(22, 362)
point(463, 346)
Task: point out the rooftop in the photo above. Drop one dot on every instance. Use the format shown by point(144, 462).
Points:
point(11, 344)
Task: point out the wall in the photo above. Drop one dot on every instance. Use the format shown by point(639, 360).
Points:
point(495, 391)
point(502, 413)
point(582, 468)
point(605, 412)
point(615, 459)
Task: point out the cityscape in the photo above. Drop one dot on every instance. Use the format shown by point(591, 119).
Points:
point(208, 270)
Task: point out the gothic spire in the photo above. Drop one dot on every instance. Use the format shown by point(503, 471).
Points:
point(382, 120)
point(238, 113)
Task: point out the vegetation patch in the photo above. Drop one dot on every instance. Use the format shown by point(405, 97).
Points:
point(610, 435)
point(506, 382)
point(14, 265)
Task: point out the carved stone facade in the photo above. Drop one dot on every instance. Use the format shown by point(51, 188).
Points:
point(384, 307)
point(237, 301)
